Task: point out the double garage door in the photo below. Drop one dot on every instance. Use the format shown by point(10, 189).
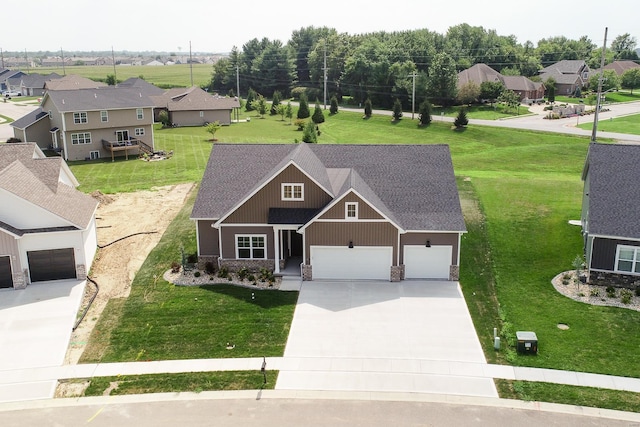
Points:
point(374, 262)
point(53, 264)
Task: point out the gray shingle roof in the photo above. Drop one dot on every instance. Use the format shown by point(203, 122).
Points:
point(412, 184)
point(614, 193)
point(193, 99)
point(566, 66)
point(105, 98)
point(37, 180)
point(29, 118)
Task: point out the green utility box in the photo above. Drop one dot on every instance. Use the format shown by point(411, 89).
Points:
point(527, 342)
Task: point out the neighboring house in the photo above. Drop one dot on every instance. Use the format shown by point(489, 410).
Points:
point(529, 91)
point(610, 214)
point(6, 75)
point(194, 107)
point(569, 75)
point(621, 66)
point(386, 212)
point(47, 227)
point(143, 86)
point(72, 82)
point(86, 124)
point(33, 84)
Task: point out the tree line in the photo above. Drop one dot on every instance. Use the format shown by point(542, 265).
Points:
point(382, 66)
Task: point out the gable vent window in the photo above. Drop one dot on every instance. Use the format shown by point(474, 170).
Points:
point(293, 192)
point(351, 210)
point(628, 259)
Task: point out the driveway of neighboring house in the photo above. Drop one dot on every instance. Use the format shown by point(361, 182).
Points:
point(35, 327)
point(382, 336)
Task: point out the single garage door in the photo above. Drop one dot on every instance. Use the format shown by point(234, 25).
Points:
point(421, 262)
point(339, 262)
point(53, 264)
point(6, 281)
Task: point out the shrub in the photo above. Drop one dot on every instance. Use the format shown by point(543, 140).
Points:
point(300, 123)
point(196, 274)
point(461, 119)
point(611, 292)
point(209, 268)
point(368, 108)
point(192, 258)
point(242, 273)
point(594, 292)
point(625, 296)
point(175, 267)
point(566, 276)
point(223, 272)
point(397, 110)
point(310, 136)
point(251, 278)
point(638, 291)
point(333, 109)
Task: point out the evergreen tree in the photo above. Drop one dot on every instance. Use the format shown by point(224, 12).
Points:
point(289, 112)
point(111, 80)
point(309, 134)
point(251, 97)
point(260, 104)
point(424, 113)
point(461, 119)
point(275, 103)
point(551, 94)
point(397, 110)
point(303, 109)
point(367, 108)
point(318, 116)
point(333, 109)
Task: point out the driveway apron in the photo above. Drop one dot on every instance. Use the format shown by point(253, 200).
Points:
point(382, 336)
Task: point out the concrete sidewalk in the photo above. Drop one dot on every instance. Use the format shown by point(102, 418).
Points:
point(344, 373)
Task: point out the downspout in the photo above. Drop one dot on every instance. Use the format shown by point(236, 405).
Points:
point(64, 137)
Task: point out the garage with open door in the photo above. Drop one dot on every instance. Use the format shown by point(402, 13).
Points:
point(433, 262)
point(6, 280)
point(52, 264)
point(341, 262)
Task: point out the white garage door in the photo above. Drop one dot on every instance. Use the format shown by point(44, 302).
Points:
point(339, 262)
point(421, 262)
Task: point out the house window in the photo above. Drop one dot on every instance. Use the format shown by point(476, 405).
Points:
point(628, 259)
point(93, 155)
point(293, 192)
point(104, 116)
point(201, 113)
point(251, 246)
point(81, 138)
point(351, 210)
point(50, 114)
point(140, 113)
point(79, 118)
point(139, 131)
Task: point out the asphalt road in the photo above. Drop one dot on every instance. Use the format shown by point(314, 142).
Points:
point(221, 410)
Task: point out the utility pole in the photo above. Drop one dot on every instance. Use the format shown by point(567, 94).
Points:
point(413, 94)
point(2, 58)
point(238, 80)
point(64, 71)
point(113, 60)
point(190, 63)
point(26, 59)
point(325, 74)
point(600, 79)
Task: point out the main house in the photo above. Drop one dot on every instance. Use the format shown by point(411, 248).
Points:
point(569, 75)
point(385, 212)
point(610, 214)
point(86, 124)
point(47, 227)
point(528, 90)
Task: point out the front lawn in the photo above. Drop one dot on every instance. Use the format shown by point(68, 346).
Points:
point(626, 124)
point(493, 111)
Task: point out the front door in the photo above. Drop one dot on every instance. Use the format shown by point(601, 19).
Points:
point(122, 135)
point(296, 244)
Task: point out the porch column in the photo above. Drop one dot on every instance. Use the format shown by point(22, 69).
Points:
point(276, 249)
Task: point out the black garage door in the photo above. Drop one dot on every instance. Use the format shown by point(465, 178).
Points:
point(6, 281)
point(54, 264)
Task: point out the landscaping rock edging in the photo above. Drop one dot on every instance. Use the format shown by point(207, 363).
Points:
point(189, 278)
point(591, 294)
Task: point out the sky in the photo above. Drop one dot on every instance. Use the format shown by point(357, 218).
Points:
point(216, 26)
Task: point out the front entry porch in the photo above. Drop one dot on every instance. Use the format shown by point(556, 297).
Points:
point(288, 249)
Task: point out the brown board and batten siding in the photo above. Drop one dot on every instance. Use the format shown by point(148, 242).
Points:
point(359, 233)
point(365, 211)
point(256, 209)
point(228, 234)
point(435, 239)
point(208, 238)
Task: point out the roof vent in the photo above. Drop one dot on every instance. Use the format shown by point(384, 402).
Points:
point(95, 95)
point(63, 101)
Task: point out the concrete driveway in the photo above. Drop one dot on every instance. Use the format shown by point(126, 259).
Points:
point(414, 336)
point(35, 327)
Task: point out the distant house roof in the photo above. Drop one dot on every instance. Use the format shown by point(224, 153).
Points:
point(566, 66)
point(103, 98)
point(193, 98)
point(621, 66)
point(38, 80)
point(412, 185)
point(29, 119)
point(27, 174)
point(614, 193)
point(72, 82)
point(144, 86)
point(480, 73)
point(521, 83)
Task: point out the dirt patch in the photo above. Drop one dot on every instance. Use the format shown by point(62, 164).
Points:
point(119, 215)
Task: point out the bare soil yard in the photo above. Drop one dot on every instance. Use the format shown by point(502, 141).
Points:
point(120, 215)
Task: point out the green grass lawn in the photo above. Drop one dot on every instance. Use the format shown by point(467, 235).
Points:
point(524, 186)
point(626, 124)
point(483, 112)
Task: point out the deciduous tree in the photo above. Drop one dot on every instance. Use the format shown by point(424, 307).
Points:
point(443, 79)
point(212, 128)
point(468, 93)
point(631, 79)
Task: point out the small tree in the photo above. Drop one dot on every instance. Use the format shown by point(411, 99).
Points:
point(490, 90)
point(212, 128)
point(289, 112)
point(397, 110)
point(333, 108)
point(251, 97)
point(510, 99)
point(303, 108)
point(309, 134)
point(631, 79)
point(424, 113)
point(275, 102)
point(468, 93)
point(164, 118)
point(260, 104)
point(282, 110)
point(111, 80)
point(461, 119)
point(550, 84)
point(367, 108)
point(300, 123)
point(318, 115)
